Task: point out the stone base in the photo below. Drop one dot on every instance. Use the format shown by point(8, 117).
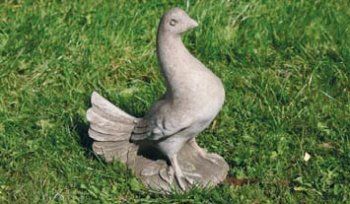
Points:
point(154, 173)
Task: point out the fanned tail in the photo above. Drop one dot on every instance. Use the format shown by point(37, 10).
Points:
point(110, 128)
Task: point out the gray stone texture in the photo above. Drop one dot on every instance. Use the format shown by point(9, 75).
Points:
point(161, 148)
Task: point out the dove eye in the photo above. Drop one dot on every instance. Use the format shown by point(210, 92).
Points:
point(173, 22)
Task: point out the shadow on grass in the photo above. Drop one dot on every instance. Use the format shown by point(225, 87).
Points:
point(81, 128)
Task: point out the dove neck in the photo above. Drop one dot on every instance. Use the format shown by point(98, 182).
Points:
point(173, 58)
point(170, 45)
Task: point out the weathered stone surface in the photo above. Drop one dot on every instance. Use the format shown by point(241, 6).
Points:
point(154, 172)
point(161, 148)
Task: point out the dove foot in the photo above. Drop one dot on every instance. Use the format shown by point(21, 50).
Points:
point(185, 179)
point(211, 157)
point(182, 177)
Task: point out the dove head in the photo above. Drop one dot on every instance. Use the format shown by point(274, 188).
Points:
point(176, 21)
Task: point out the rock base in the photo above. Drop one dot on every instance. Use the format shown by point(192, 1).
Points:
point(155, 172)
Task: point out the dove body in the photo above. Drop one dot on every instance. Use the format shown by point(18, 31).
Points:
point(194, 94)
point(193, 98)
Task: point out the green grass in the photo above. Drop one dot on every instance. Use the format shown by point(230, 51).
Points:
point(286, 70)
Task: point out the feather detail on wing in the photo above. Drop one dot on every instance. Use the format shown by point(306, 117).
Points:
point(110, 128)
point(148, 130)
point(142, 130)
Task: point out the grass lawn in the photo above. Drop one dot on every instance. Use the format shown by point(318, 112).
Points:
point(286, 70)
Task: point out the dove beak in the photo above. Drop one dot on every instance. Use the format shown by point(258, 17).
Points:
point(192, 23)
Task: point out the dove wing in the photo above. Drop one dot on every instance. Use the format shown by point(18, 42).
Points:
point(159, 125)
point(148, 130)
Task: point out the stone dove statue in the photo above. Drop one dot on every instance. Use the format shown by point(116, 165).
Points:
point(193, 98)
